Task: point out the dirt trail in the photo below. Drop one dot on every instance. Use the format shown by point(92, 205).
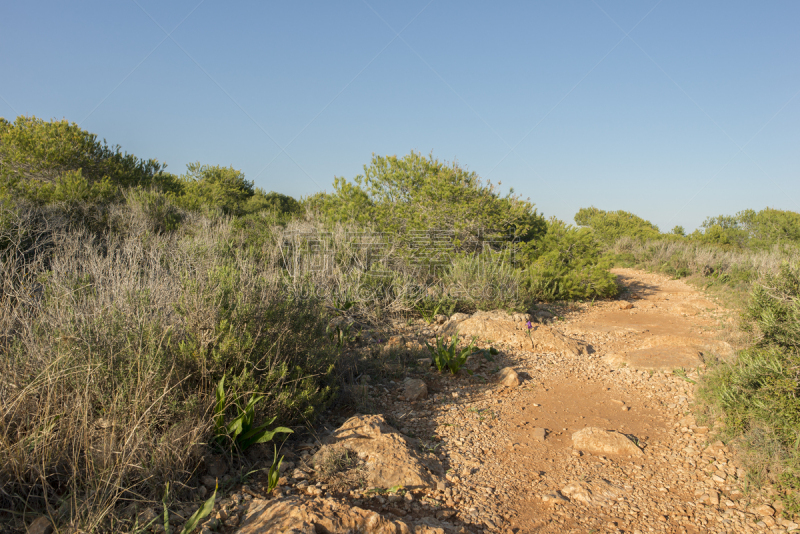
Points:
point(627, 384)
point(525, 459)
point(508, 452)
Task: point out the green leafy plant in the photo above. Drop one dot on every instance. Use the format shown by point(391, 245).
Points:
point(240, 431)
point(448, 357)
point(529, 326)
point(340, 335)
point(274, 473)
point(200, 514)
point(191, 523)
point(430, 308)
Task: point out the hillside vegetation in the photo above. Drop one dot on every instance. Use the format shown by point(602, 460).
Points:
point(128, 294)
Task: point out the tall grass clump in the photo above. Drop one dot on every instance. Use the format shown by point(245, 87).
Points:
point(112, 346)
point(485, 282)
point(683, 257)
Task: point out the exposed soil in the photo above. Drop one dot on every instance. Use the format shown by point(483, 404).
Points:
point(508, 451)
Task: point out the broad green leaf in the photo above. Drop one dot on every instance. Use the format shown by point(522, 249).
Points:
point(200, 514)
point(265, 437)
point(219, 409)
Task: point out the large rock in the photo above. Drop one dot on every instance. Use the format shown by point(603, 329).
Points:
point(500, 327)
point(508, 377)
point(591, 492)
point(296, 515)
point(604, 442)
point(390, 459)
point(415, 389)
point(41, 525)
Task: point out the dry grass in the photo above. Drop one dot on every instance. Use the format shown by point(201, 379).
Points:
point(114, 333)
point(111, 345)
point(341, 469)
point(661, 253)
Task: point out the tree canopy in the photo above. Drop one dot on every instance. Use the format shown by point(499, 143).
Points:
point(416, 193)
point(57, 160)
point(609, 226)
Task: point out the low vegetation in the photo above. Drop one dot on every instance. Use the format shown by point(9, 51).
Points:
point(756, 393)
point(448, 357)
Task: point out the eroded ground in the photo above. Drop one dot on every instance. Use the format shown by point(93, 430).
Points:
point(508, 453)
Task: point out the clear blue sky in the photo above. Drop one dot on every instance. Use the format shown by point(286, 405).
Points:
point(695, 112)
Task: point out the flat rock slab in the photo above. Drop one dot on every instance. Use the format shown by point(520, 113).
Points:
point(604, 442)
point(706, 346)
point(501, 327)
point(656, 358)
point(591, 492)
point(390, 458)
point(668, 352)
point(310, 516)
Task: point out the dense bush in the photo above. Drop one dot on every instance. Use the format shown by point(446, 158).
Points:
point(751, 229)
point(57, 161)
point(406, 196)
point(567, 264)
point(774, 309)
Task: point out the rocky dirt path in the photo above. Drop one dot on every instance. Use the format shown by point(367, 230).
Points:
point(590, 431)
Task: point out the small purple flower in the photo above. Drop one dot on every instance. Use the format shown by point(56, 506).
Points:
point(529, 325)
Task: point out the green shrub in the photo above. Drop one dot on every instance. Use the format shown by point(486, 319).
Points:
point(415, 193)
point(609, 226)
point(58, 161)
point(568, 264)
point(751, 229)
point(283, 206)
point(758, 392)
point(211, 187)
point(774, 309)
